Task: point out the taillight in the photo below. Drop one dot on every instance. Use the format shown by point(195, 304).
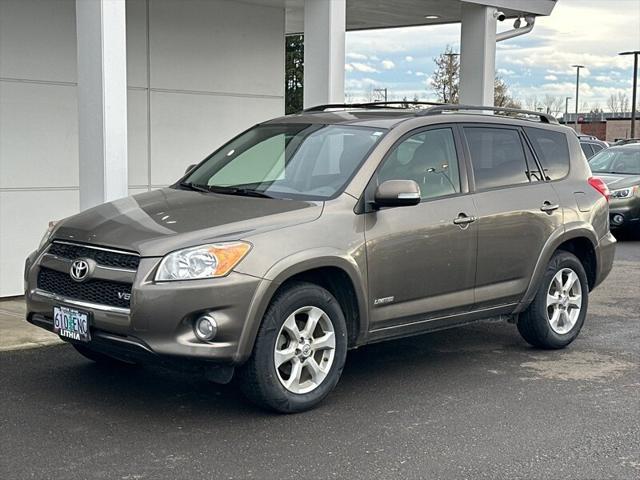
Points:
point(600, 186)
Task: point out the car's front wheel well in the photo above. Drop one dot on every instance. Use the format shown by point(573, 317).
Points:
point(582, 248)
point(340, 285)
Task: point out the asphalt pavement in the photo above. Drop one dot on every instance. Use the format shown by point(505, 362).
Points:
point(475, 402)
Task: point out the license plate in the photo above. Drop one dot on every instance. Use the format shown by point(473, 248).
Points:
point(71, 323)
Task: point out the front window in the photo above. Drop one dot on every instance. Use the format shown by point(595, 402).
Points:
point(302, 161)
point(616, 161)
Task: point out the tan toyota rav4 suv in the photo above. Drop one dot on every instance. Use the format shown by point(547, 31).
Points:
point(316, 233)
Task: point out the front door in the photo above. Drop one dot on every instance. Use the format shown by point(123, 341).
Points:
point(422, 259)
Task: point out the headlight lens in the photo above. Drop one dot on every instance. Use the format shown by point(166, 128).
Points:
point(47, 234)
point(204, 261)
point(624, 192)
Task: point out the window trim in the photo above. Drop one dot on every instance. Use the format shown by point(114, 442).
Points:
point(499, 126)
point(369, 191)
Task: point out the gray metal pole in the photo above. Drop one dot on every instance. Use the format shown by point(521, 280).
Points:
point(635, 90)
point(566, 109)
point(634, 95)
point(577, 67)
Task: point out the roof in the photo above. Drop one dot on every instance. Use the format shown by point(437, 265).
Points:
point(371, 14)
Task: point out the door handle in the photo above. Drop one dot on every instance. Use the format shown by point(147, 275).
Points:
point(463, 219)
point(549, 208)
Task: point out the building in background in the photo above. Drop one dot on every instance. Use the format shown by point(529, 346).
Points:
point(605, 126)
point(102, 98)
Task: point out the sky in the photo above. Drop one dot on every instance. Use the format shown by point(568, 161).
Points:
point(588, 32)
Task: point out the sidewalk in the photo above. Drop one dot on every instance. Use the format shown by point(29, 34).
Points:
point(15, 332)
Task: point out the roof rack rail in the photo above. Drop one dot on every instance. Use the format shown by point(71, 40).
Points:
point(544, 117)
point(400, 104)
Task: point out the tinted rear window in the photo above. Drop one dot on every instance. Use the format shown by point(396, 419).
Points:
point(552, 150)
point(497, 156)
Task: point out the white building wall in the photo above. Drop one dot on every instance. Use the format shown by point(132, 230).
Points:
point(199, 72)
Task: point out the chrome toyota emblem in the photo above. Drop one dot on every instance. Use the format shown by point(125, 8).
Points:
point(79, 270)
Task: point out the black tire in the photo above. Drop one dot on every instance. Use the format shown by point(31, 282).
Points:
point(258, 378)
point(533, 323)
point(100, 358)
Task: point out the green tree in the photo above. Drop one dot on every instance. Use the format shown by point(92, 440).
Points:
point(294, 73)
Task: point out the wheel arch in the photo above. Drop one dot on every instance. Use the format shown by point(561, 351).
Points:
point(338, 273)
point(581, 240)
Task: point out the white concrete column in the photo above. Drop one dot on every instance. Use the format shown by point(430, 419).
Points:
point(477, 55)
point(324, 37)
point(102, 100)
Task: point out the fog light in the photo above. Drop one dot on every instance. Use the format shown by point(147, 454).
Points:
point(617, 219)
point(205, 328)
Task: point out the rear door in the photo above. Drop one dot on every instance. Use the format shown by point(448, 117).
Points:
point(517, 211)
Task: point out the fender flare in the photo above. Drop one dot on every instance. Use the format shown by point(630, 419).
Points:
point(569, 231)
point(287, 268)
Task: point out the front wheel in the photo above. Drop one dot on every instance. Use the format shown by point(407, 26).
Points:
point(557, 313)
point(299, 352)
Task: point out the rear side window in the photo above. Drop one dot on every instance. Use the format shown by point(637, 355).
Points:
point(596, 147)
point(498, 157)
point(552, 151)
point(586, 148)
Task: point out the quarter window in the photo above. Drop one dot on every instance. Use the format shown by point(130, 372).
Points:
point(429, 158)
point(497, 156)
point(552, 151)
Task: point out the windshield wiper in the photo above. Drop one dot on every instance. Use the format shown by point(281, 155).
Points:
point(246, 192)
point(195, 187)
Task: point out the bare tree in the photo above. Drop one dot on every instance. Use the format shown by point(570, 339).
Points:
point(623, 101)
point(552, 104)
point(532, 102)
point(446, 78)
point(612, 103)
point(502, 97)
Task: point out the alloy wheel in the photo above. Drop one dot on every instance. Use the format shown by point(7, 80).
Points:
point(564, 301)
point(305, 350)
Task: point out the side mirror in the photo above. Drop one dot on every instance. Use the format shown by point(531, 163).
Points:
point(189, 168)
point(397, 193)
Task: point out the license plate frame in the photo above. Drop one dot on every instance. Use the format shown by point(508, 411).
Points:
point(71, 324)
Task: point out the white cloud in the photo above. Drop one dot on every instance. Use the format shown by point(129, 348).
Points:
point(420, 74)
point(348, 67)
point(506, 72)
point(409, 72)
point(363, 67)
point(356, 56)
point(408, 58)
point(388, 65)
point(551, 78)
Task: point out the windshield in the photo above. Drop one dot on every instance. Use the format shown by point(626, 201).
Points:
point(299, 161)
point(617, 161)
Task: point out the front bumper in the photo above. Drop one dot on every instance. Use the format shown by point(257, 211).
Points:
point(624, 212)
point(159, 321)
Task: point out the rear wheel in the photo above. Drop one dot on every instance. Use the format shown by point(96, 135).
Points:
point(557, 313)
point(300, 350)
point(99, 358)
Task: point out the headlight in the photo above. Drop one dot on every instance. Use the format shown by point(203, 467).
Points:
point(204, 261)
point(624, 192)
point(47, 234)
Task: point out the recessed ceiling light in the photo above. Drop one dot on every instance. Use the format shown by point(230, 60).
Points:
point(432, 17)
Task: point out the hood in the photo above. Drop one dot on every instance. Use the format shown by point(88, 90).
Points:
point(164, 220)
point(616, 181)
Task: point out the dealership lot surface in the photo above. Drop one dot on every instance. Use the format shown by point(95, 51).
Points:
point(475, 402)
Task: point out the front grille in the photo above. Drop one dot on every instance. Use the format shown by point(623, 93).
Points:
point(103, 292)
point(102, 257)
